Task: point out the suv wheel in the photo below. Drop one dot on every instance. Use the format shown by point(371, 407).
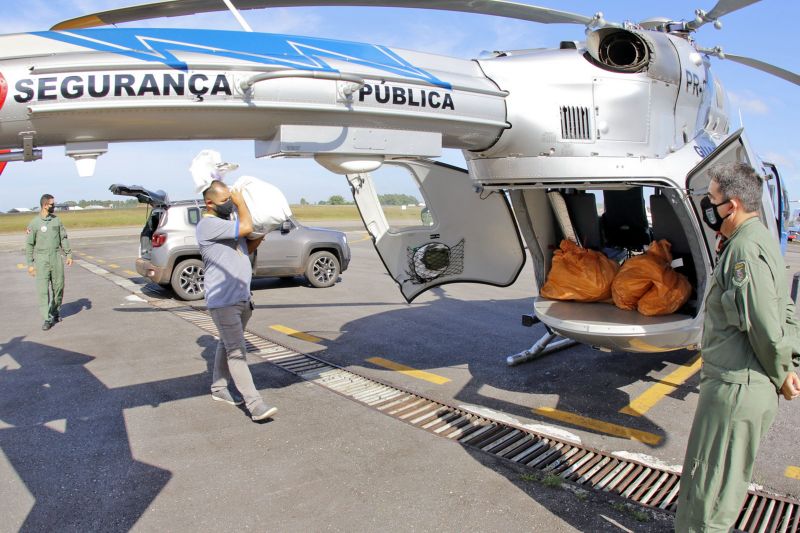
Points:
point(322, 269)
point(187, 280)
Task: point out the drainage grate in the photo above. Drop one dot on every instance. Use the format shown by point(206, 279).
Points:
point(582, 465)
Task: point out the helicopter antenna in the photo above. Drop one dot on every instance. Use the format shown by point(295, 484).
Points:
point(238, 16)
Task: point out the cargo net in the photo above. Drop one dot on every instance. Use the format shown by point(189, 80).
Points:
point(434, 260)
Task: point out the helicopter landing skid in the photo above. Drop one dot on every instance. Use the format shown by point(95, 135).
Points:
point(546, 345)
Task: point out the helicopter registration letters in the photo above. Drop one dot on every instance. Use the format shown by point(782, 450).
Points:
point(103, 85)
point(694, 84)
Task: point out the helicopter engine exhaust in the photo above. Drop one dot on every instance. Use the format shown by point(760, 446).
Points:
point(619, 50)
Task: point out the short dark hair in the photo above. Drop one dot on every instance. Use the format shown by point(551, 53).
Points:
point(214, 188)
point(44, 199)
point(740, 181)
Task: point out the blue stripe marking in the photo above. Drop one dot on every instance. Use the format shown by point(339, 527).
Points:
point(290, 51)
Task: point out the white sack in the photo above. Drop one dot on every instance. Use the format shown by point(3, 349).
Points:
point(267, 204)
point(208, 166)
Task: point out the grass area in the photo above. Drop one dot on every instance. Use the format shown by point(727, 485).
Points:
point(91, 218)
point(350, 212)
point(108, 218)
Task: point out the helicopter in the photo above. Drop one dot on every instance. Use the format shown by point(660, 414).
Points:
point(630, 119)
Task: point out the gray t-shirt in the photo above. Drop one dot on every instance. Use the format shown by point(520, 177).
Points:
point(227, 266)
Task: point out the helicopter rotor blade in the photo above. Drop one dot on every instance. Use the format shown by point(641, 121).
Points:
point(178, 8)
point(723, 7)
point(766, 67)
point(754, 63)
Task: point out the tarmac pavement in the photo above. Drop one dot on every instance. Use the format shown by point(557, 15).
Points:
point(106, 424)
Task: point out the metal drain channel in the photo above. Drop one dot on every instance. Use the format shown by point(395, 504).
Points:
point(582, 465)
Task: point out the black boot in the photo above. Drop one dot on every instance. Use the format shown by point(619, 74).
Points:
point(47, 325)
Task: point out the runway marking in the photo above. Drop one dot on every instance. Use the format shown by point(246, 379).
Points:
point(408, 371)
point(131, 273)
point(792, 472)
point(362, 239)
point(20, 266)
point(88, 256)
point(112, 265)
point(598, 425)
point(296, 334)
point(649, 398)
point(100, 261)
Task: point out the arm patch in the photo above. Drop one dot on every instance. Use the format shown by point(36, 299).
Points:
point(740, 275)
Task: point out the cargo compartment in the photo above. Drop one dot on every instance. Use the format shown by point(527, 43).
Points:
point(620, 220)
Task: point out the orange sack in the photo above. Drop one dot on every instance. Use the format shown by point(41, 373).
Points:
point(649, 284)
point(579, 274)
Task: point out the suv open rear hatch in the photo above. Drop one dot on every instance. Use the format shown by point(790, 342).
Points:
point(154, 199)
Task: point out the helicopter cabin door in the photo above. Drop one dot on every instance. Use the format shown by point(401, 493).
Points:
point(734, 149)
point(458, 235)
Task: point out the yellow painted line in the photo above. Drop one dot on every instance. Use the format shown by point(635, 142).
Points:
point(20, 266)
point(89, 256)
point(792, 472)
point(407, 370)
point(598, 425)
point(112, 265)
point(362, 239)
point(100, 261)
point(645, 401)
point(131, 273)
point(296, 334)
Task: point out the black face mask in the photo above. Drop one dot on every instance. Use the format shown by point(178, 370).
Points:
point(711, 215)
point(224, 210)
point(50, 209)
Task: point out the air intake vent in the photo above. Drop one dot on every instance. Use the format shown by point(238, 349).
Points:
point(575, 123)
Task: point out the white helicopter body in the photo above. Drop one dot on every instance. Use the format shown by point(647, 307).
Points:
point(634, 114)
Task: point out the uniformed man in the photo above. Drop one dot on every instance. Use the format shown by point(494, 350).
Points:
point(750, 336)
point(47, 239)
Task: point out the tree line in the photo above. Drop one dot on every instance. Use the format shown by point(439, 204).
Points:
point(384, 199)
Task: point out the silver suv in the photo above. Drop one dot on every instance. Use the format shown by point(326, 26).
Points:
point(169, 254)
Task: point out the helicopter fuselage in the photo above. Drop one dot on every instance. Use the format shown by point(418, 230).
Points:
point(629, 108)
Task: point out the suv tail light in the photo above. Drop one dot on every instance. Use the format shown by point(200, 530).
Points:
point(158, 239)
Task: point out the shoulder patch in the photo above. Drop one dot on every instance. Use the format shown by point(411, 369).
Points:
point(740, 272)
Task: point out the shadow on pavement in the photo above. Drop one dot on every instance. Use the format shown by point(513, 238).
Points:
point(64, 433)
point(585, 382)
point(73, 308)
point(69, 444)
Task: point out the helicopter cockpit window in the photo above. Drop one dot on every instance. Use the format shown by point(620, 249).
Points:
point(401, 199)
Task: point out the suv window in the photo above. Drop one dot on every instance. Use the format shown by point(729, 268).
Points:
point(194, 216)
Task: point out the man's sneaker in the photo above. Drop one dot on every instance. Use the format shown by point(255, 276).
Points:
point(47, 325)
point(224, 395)
point(262, 411)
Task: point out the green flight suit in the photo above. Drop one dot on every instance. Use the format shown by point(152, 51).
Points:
point(47, 237)
point(749, 336)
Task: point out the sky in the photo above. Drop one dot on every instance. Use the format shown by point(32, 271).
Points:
point(768, 106)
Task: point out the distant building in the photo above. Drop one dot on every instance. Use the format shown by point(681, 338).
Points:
point(95, 206)
point(20, 210)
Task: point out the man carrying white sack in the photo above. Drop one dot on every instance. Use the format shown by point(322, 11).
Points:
point(268, 206)
point(228, 273)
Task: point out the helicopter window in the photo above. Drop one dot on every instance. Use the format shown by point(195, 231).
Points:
point(401, 199)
